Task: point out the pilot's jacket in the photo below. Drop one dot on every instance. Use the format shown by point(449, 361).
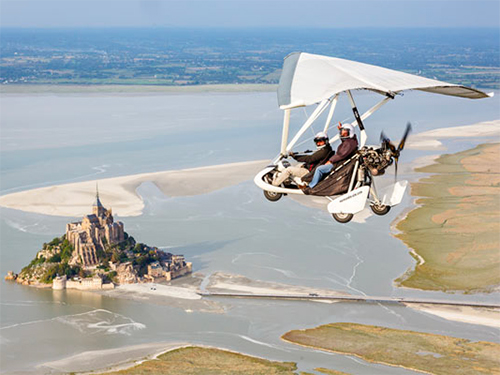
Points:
point(319, 157)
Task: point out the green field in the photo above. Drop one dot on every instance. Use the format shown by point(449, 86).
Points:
point(456, 228)
point(208, 361)
point(425, 352)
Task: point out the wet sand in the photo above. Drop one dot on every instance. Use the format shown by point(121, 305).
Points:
point(228, 283)
point(464, 314)
point(100, 361)
point(429, 140)
point(120, 194)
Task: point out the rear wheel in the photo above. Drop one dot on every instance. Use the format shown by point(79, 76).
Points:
point(343, 218)
point(272, 196)
point(380, 209)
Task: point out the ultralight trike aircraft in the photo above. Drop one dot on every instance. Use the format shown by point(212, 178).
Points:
point(308, 79)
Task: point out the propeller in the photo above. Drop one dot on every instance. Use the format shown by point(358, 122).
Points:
point(400, 148)
point(396, 151)
point(387, 142)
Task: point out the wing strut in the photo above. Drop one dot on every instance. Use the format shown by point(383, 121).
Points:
point(330, 114)
point(317, 112)
point(284, 135)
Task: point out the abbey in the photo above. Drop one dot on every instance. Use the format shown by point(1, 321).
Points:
point(93, 233)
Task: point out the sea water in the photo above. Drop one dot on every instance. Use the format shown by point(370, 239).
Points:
point(52, 139)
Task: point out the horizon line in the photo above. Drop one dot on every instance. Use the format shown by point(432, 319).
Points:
point(244, 27)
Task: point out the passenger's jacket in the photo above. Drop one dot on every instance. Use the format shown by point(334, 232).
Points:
point(318, 157)
point(345, 150)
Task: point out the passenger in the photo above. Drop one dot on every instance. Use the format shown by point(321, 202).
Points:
point(323, 150)
point(347, 147)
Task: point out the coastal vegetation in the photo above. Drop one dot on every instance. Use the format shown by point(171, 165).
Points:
point(329, 372)
point(454, 231)
point(429, 353)
point(51, 261)
point(202, 361)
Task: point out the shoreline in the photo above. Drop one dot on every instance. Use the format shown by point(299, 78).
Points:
point(40, 89)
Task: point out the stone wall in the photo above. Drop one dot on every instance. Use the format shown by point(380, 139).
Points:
point(94, 283)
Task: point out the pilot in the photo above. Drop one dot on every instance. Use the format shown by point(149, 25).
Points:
point(347, 147)
point(323, 150)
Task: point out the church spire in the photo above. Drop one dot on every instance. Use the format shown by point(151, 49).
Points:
point(97, 207)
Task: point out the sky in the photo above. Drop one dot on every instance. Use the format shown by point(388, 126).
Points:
point(247, 13)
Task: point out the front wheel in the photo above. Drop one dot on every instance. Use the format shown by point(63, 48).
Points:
point(343, 218)
point(380, 209)
point(272, 196)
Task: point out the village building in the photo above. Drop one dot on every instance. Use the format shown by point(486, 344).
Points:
point(93, 233)
point(155, 269)
point(171, 268)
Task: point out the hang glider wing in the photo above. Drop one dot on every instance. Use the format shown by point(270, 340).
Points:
point(307, 79)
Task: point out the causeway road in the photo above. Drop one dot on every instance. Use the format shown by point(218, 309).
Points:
point(365, 299)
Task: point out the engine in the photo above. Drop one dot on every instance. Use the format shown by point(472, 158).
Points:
point(376, 160)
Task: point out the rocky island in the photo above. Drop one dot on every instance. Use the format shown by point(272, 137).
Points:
point(97, 253)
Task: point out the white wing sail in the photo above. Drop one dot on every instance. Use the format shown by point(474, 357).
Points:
point(307, 79)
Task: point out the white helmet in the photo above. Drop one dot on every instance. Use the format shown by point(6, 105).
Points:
point(347, 127)
point(321, 136)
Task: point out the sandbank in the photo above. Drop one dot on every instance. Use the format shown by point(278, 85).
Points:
point(100, 361)
point(181, 293)
point(160, 290)
point(119, 193)
point(429, 140)
point(464, 314)
point(225, 282)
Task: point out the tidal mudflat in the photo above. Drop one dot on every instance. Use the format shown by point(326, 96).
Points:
point(455, 229)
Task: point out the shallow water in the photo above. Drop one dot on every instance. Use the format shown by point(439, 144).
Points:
point(48, 139)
